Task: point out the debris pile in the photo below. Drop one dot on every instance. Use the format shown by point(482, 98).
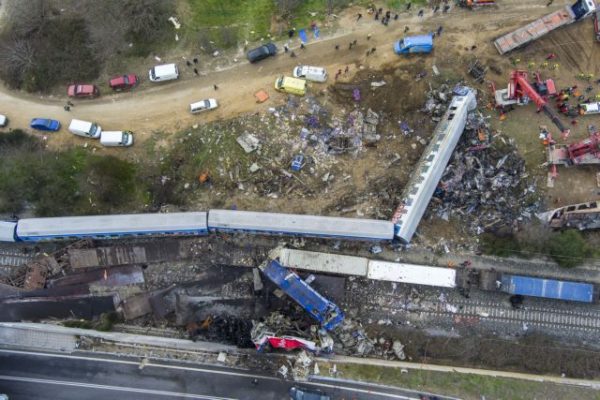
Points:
point(485, 182)
point(437, 100)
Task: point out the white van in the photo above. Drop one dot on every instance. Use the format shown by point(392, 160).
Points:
point(116, 138)
point(85, 129)
point(165, 72)
point(315, 74)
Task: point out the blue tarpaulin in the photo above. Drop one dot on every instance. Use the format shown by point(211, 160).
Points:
point(548, 288)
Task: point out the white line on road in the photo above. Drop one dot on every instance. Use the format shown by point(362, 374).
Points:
point(365, 391)
point(114, 388)
point(146, 366)
point(185, 368)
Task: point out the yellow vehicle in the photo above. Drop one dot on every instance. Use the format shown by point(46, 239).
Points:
point(290, 85)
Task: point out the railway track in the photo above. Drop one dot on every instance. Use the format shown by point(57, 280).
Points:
point(11, 258)
point(483, 311)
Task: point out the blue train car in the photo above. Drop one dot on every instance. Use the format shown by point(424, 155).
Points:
point(327, 313)
point(299, 225)
point(111, 226)
point(548, 288)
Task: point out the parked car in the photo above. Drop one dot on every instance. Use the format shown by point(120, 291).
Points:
point(316, 74)
point(297, 393)
point(203, 105)
point(123, 82)
point(80, 91)
point(3, 121)
point(262, 52)
point(45, 124)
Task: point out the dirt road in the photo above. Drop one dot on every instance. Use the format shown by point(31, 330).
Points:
point(164, 107)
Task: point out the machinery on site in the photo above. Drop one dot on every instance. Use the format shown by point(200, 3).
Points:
point(521, 92)
point(541, 26)
point(584, 152)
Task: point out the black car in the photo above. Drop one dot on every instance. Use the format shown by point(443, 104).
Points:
point(297, 393)
point(262, 52)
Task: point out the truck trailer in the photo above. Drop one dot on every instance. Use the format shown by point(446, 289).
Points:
point(541, 26)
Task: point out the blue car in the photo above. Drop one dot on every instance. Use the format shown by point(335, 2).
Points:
point(45, 124)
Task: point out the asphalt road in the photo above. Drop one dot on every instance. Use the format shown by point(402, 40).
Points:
point(36, 375)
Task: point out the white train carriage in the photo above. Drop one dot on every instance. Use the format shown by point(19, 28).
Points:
point(411, 274)
point(299, 225)
point(7, 231)
point(112, 226)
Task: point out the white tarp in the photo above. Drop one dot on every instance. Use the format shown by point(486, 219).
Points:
point(412, 274)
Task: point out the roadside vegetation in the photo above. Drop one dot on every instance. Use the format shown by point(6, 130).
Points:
point(71, 182)
point(568, 248)
point(46, 43)
point(464, 386)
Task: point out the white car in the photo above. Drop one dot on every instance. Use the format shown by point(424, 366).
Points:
point(203, 105)
point(3, 123)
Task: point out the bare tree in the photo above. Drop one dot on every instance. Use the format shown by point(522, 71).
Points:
point(145, 17)
point(286, 8)
point(106, 25)
point(16, 58)
point(27, 16)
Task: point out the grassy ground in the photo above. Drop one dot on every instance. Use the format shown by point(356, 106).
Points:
point(465, 386)
point(226, 23)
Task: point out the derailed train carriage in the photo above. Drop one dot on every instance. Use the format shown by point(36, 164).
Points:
point(194, 224)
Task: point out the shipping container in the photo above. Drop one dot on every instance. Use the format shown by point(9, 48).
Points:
point(548, 288)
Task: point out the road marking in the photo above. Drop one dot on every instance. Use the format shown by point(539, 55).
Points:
point(113, 388)
point(137, 363)
point(365, 391)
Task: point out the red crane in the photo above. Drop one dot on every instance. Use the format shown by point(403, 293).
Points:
point(590, 146)
point(519, 87)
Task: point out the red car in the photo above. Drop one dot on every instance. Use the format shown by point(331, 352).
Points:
point(123, 82)
point(83, 91)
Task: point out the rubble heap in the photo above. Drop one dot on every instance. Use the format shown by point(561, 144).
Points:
point(485, 183)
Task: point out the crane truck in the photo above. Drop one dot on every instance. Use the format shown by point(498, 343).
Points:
point(520, 91)
point(541, 26)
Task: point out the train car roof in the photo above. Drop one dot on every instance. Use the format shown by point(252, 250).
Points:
point(301, 224)
point(102, 224)
point(7, 231)
point(412, 274)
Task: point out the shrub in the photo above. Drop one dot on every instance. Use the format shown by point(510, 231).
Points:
point(568, 248)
